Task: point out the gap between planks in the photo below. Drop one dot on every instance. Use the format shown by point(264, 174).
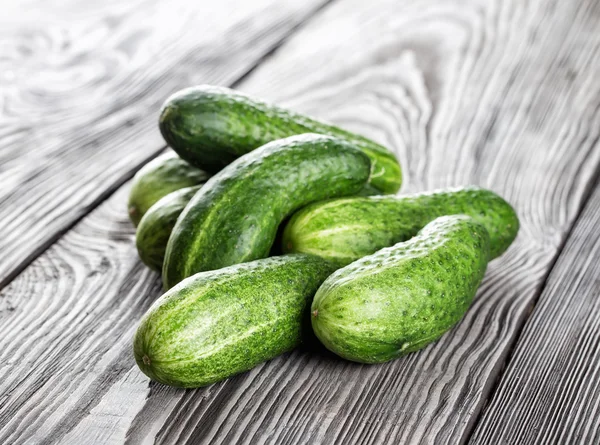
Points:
point(511, 349)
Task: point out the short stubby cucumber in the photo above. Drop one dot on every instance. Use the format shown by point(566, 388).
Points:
point(211, 126)
point(158, 178)
point(404, 297)
point(157, 224)
point(346, 229)
point(234, 217)
point(219, 323)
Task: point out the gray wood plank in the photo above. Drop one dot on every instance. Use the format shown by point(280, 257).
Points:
point(82, 84)
point(500, 94)
point(550, 392)
point(66, 324)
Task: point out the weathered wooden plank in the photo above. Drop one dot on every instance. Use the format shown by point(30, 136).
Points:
point(499, 94)
point(80, 91)
point(550, 392)
point(66, 324)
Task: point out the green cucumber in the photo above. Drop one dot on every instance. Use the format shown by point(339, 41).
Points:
point(157, 224)
point(344, 230)
point(219, 323)
point(404, 297)
point(211, 126)
point(158, 178)
point(235, 215)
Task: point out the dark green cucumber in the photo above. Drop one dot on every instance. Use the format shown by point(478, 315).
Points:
point(404, 297)
point(219, 323)
point(211, 126)
point(159, 177)
point(235, 215)
point(344, 230)
point(157, 224)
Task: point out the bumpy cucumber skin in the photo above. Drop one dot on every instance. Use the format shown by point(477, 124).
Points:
point(235, 215)
point(157, 224)
point(211, 126)
point(346, 229)
point(158, 178)
point(219, 323)
point(404, 297)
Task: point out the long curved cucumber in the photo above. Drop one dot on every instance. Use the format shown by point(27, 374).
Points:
point(211, 126)
point(219, 323)
point(157, 224)
point(159, 177)
point(403, 297)
point(234, 217)
point(346, 229)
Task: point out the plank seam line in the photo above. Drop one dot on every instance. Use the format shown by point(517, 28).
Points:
point(112, 188)
point(107, 193)
point(273, 50)
point(510, 351)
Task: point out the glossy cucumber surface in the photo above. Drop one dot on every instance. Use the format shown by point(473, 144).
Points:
point(346, 229)
point(211, 126)
point(161, 176)
point(235, 215)
point(403, 297)
point(219, 323)
point(156, 225)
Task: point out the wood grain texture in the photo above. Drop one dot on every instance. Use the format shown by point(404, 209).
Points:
point(66, 325)
point(551, 390)
point(80, 91)
point(500, 94)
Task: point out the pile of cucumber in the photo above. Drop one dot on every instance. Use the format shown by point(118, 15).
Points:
point(269, 226)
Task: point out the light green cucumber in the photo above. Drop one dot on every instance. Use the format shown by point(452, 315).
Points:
point(219, 323)
point(234, 217)
point(211, 126)
point(156, 225)
point(403, 297)
point(161, 176)
point(346, 229)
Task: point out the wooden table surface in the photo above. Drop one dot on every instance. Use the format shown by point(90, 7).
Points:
point(502, 94)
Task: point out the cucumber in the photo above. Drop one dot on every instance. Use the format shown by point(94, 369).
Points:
point(234, 217)
point(219, 323)
point(344, 230)
point(211, 126)
point(404, 297)
point(157, 224)
point(161, 176)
